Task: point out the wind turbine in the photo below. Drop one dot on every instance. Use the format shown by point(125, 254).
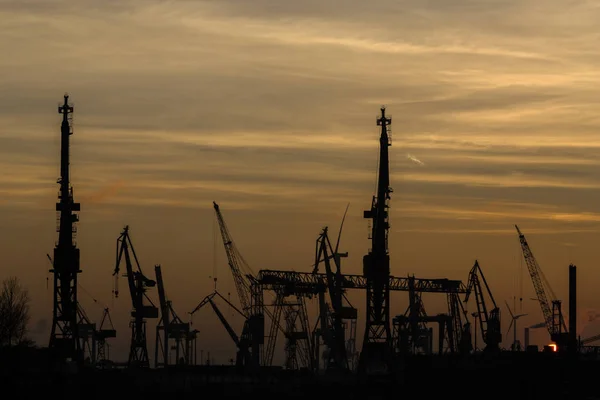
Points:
point(513, 324)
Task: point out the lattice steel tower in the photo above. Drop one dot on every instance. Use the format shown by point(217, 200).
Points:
point(64, 341)
point(376, 349)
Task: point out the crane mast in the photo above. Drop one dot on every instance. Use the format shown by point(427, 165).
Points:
point(64, 341)
point(138, 284)
point(552, 312)
point(376, 264)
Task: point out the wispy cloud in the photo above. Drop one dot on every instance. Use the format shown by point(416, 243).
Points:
point(271, 106)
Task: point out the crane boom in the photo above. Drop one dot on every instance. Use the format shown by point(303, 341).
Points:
point(236, 262)
point(250, 295)
point(554, 327)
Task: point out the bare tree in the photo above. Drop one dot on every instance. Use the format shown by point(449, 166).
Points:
point(14, 311)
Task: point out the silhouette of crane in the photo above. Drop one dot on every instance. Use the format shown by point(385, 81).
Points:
point(376, 349)
point(64, 336)
point(138, 285)
point(489, 320)
point(550, 305)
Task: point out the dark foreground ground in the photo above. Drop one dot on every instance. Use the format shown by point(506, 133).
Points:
point(507, 376)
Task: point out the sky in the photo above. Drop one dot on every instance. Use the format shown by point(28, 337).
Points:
point(269, 108)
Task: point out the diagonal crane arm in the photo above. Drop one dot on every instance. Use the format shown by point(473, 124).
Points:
point(236, 263)
point(243, 278)
point(164, 306)
point(538, 279)
point(209, 300)
point(228, 327)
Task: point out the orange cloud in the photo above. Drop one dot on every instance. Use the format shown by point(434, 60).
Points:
point(105, 193)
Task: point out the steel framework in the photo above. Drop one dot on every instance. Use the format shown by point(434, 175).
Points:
point(376, 349)
point(64, 340)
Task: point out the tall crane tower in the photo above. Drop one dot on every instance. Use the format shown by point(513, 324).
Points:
point(64, 334)
point(376, 265)
point(553, 318)
point(138, 285)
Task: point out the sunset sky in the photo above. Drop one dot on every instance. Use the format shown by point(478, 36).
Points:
point(268, 107)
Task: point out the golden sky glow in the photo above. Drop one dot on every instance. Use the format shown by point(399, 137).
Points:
point(268, 107)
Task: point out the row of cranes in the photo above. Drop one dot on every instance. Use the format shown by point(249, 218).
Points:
point(172, 333)
point(335, 329)
point(331, 344)
point(301, 343)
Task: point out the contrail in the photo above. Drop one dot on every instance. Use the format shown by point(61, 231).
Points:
point(414, 159)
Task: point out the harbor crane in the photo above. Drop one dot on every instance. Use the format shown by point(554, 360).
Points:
point(489, 320)
point(170, 328)
point(551, 308)
point(64, 341)
point(377, 350)
point(250, 298)
point(250, 343)
point(333, 333)
point(138, 285)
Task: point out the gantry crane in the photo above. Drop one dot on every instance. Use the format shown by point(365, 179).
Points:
point(298, 345)
point(170, 326)
point(138, 285)
point(489, 320)
point(411, 333)
point(553, 318)
point(297, 332)
point(376, 350)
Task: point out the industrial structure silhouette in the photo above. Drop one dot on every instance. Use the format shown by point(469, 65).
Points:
point(391, 345)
